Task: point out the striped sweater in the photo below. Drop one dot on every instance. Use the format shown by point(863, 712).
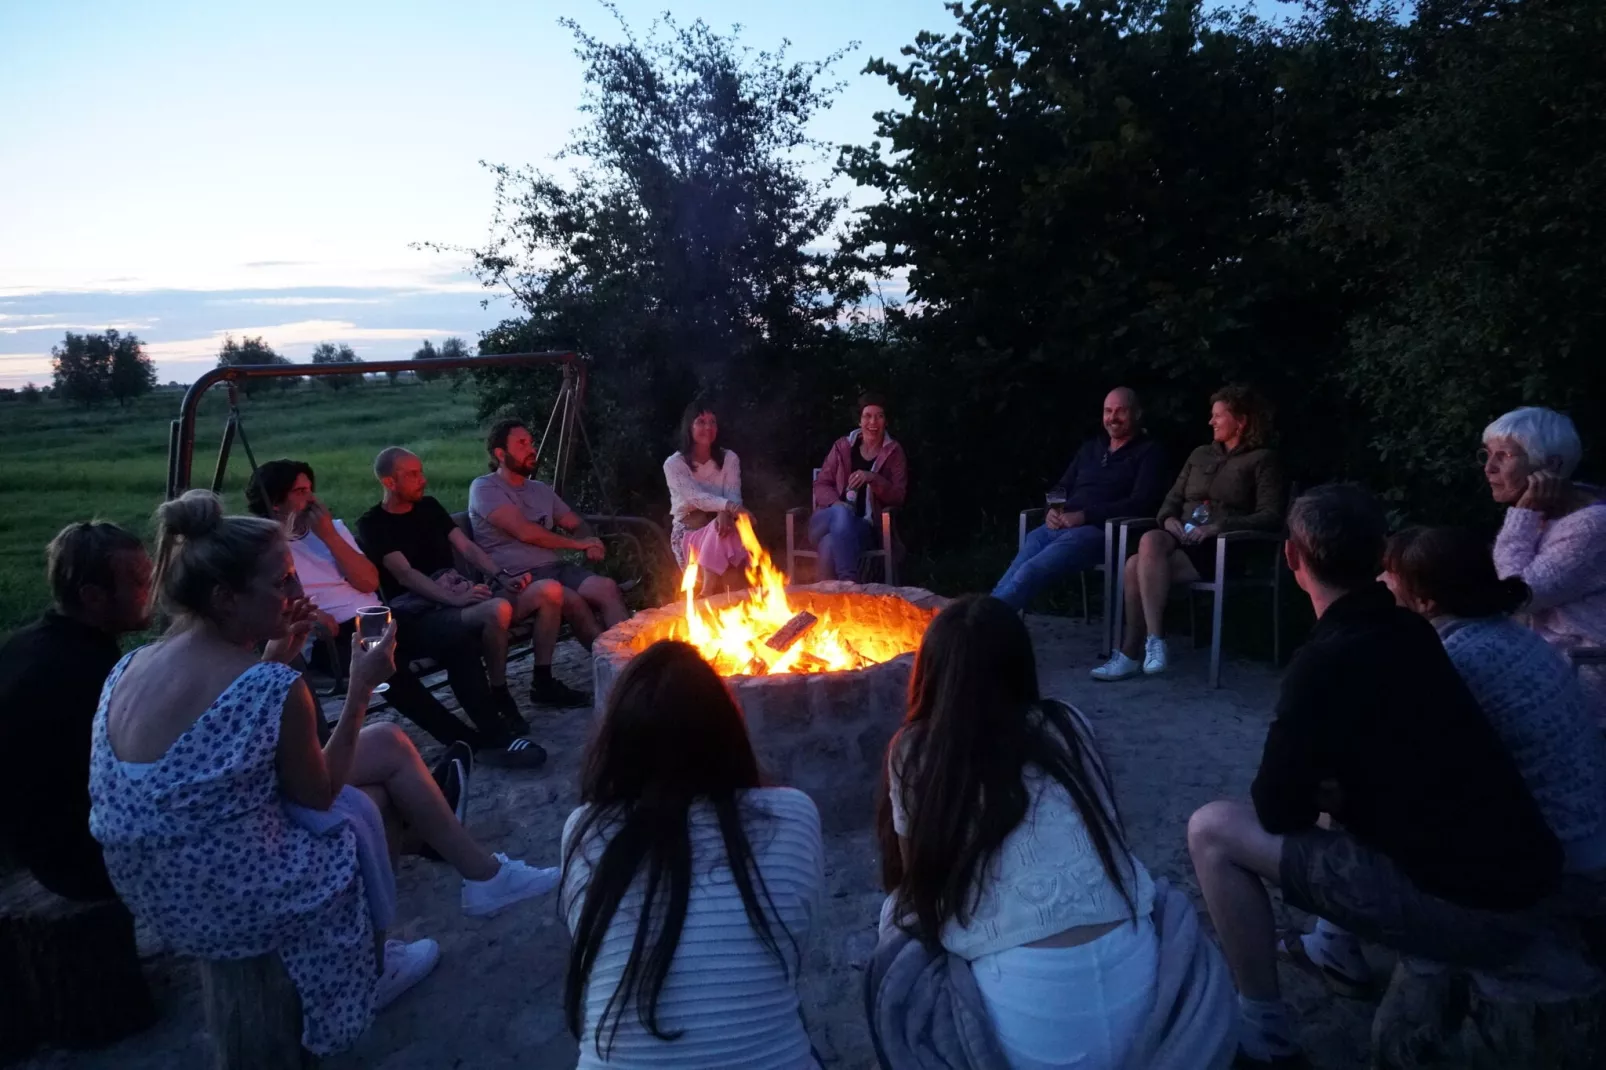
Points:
point(737, 1006)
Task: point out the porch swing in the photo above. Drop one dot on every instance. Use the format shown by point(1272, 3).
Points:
point(638, 547)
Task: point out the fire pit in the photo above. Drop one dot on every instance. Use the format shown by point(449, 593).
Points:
point(823, 698)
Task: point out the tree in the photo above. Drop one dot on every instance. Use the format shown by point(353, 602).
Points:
point(254, 351)
point(329, 353)
point(32, 395)
point(426, 352)
point(132, 372)
point(682, 254)
point(88, 368)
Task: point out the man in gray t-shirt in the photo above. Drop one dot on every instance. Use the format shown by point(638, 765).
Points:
point(523, 525)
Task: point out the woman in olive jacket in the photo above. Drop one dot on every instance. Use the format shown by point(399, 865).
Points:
point(1233, 484)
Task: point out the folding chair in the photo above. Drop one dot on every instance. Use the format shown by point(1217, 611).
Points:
point(1032, 518)
point(866, 559)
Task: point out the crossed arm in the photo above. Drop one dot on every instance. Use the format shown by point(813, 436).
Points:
point(511, 522)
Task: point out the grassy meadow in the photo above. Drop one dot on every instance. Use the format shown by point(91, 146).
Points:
point(60, 463)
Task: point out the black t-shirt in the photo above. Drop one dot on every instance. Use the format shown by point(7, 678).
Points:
point(1373, 702)
point(861, 463)
point(422, 535)
point(51, 675)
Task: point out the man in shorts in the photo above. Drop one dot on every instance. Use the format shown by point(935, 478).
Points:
point(523, 525)
point(1438, 851)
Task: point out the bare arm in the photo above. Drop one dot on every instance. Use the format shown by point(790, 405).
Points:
point(420, 584)
point(510, 521)
point(307, 775)
point(353, 565)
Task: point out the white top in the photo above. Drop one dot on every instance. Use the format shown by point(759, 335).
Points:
point(1045, 878)
point(734, 1001)
point(708, 487)
point(321, 578)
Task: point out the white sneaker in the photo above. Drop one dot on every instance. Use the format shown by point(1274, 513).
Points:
point(1154, 656)
point(515, 881)
point(1119, 667)
point(406, 964)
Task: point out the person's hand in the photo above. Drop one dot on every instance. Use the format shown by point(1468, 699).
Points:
point(327, 624)
point(516, 583)
point(370, 668)
point(320, 522)
point(302, 616)
point(1202, 533)
point(858, 479)
point(595, 550)
point(1173, 527)
point(1054, 520)
point(1545, 493)
point(473, 596)
point(1073, 519)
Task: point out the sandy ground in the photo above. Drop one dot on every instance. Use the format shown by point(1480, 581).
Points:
point(496, 998)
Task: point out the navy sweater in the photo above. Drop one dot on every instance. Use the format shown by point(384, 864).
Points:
point(1102, 483)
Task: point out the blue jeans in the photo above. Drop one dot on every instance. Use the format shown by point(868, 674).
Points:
point(840, 537)
point(1048, 556)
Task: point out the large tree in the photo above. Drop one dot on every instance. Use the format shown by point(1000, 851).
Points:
point(681, 252)
point(88, 368)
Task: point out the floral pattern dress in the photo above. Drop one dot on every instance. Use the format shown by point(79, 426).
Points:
point(199, 847)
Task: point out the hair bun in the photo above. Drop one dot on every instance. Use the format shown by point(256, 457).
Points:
point(196, 513)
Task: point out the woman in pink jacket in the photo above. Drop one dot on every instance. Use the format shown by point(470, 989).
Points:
point(864, 473)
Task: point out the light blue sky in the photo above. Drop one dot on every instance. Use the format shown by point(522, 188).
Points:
point(186, 169)
point(274, 154)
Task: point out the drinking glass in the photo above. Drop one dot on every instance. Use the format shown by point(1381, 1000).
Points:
point(371, 624)
point(1054, 498)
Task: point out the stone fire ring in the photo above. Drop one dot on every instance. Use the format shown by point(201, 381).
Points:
point(825, 733)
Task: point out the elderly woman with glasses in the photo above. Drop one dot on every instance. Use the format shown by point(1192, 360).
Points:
point(1554, 535)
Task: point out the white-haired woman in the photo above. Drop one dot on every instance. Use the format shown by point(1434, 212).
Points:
point(1554, 535)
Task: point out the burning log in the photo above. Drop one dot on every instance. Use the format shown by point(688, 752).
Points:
point(790, 632)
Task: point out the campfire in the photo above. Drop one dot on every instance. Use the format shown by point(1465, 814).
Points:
point(764, 634)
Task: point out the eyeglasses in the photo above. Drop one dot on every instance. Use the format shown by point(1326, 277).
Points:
point(1499, 457)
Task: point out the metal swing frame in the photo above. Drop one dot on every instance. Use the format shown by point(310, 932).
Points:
point(565, 421)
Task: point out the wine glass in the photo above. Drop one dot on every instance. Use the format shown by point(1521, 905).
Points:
point(371, 624)
point(1054, 499)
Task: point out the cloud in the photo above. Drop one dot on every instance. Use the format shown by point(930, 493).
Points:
point(276, 263)
point(294, 301)
point(138, 325)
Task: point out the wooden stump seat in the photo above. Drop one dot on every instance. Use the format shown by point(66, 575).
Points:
point(253, 1015)
point(69, 971)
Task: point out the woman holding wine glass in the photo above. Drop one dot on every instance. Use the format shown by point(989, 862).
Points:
point(226, 826)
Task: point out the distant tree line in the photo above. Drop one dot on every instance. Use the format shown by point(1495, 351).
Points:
point(1386, 220)
point(91, 368)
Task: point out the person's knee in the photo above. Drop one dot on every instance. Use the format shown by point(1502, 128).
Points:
point(842, 521)
point(606, 590)
point(1155, 544)
point(387, 739)
point(546, 593)
point(499, 614)
point(1211, 826)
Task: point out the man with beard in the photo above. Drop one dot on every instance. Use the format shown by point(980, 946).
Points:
point(51, 674)
point(1118, 473)
point(522, 524)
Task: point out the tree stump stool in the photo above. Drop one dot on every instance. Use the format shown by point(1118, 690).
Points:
point(253, 1015)
point(1440, 1022)
point(69, 971)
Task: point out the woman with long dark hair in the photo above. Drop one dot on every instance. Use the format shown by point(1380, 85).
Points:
point(705, 497)
point(675, 827)
point(1001, 843)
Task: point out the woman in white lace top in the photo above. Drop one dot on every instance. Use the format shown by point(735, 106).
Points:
point(1001, 841)
point(705, 496)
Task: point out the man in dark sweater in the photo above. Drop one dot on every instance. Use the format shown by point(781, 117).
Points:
point(1442, 848)
point(1119, 473)
point(51, 673)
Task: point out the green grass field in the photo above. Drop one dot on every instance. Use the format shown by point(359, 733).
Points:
point(60, 463)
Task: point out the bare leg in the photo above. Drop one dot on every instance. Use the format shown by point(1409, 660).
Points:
point(387, 759)
point(1232, 857)
point(1132, 602)
point(544, 599)
point(577, 611)
point(1154, 577)
point(603, 596)
point(494, 616)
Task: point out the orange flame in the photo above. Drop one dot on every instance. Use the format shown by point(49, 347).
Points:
point(733, 637)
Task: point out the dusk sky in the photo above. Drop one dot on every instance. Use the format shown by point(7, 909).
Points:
point(184, 170)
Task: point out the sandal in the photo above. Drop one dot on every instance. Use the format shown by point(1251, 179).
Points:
point(1292, 949)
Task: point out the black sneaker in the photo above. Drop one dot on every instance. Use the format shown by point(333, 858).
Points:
point(521, 753)
point(451, 776)
point(507, 707)
point(550, 691)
